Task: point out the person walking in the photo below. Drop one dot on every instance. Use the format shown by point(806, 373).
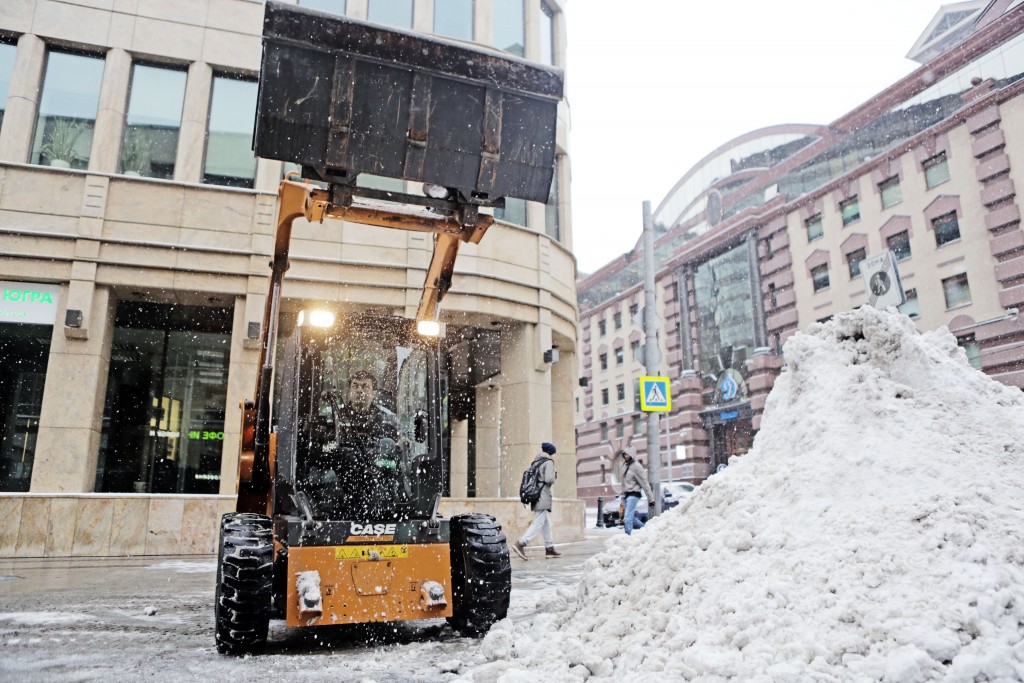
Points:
point(634, 479)
point(542, 508)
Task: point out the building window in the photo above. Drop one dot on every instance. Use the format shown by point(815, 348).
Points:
point(819, 275)
point(332, 6)
point(229, 156)
point(603, 361)
point(773, 297)
point(620, 356)
point(514, 211)
point(911, 307)
point(899, 244)
point(853, 259)
point(620, 428)
point(604, 431)
point(551, 225)
point(633, 310)
point(936, 170)
point(620, 392)
point(814, 227)
point(67, 110)
point(163, 420)
point(637, 424)
point(890, 191)
point(547, 33)
point(379, 182)
point(634, 350)
point(396, 13)
point(947, 229)
point(150, 142)
point(850, 209)
point(973, 350)
point(957, 291)
point(454, 18)
point(507, 28)
point(7, 52)
point(617, 320)
point(604, 396)
point(602, 327)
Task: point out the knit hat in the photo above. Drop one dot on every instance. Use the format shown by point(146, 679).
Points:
point(548, 448)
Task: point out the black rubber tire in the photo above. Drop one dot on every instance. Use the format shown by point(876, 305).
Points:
point(245, 574)
point(481, 574)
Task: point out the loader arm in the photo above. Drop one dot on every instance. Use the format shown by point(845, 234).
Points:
point(298, 199)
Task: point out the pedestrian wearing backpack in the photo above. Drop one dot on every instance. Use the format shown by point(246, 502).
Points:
point(634, 478)
point(542, 507)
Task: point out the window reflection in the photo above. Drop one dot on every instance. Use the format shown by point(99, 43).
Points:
point(454, 18)
point(67, 110)
point(7, 53)
point(150, 141)
point(725, 318)
point(332, 6)
point(547, 33)
point(551, 224)
point(514, 211)
point(229, 157)
point(397, 13)
point(508, 26)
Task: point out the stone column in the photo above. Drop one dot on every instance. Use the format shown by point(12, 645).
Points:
point(357, 9)
point(188, 164)
point(106, 136)
point(688, 401)
point(71, 418)
point(488, 442)
point(460, 458)
point(525, 402)
point(22, 99)
point(423, 16)
point(563, 429)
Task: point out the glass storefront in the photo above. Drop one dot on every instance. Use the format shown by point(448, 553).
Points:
point(27, 312)
point(163, 419)
point(25, 350)
point(725, 313)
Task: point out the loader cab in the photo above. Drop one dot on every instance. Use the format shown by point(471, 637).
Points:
point(358, 419)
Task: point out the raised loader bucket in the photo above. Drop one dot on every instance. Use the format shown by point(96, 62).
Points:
point(343, 97)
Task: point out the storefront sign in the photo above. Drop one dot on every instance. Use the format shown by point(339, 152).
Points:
point(28, 303)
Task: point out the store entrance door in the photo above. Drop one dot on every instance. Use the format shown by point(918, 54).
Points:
point(24, 350)
point(734, 437)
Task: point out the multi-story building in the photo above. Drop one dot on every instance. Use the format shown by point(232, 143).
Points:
point(136, 226)
point(766, 236)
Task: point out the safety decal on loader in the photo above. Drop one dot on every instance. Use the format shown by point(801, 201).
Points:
point(370, 552)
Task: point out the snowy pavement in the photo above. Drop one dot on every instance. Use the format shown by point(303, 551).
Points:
point(151, 619)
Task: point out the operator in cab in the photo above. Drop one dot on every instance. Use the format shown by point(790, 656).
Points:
point(366, 455)
point(362, 420)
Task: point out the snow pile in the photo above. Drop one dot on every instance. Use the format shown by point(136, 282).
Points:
point(874, 532)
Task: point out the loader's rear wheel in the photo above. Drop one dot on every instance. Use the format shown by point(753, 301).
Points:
point(481, 573)
point(245, 573)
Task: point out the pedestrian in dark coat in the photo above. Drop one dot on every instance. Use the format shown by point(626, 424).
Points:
point(542, 508)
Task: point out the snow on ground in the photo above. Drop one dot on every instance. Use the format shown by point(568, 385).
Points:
point(875, 532)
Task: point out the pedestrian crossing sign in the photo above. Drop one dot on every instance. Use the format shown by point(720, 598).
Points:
point(655, 396)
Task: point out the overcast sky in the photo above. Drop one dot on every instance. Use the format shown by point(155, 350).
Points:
point(654, 88)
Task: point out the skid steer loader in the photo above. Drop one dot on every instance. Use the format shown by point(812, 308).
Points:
point(344, 454)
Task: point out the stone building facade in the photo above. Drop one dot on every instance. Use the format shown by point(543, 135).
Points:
point(767, 234)
point(136, 227)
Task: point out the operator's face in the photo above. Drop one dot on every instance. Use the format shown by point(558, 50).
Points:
point(360, 393)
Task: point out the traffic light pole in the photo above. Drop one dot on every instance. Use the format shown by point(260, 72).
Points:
point(652, 358)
